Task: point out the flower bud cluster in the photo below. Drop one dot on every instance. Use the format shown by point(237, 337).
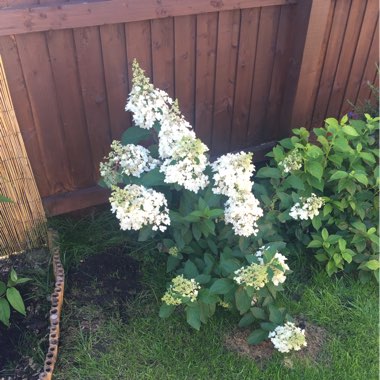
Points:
point(288, 337)
point(181, 290)
point(292, 161)
point(136, 207)
point(308, 208)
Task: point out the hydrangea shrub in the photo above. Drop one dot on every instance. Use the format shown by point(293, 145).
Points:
point(204, 213)
point(320, 191)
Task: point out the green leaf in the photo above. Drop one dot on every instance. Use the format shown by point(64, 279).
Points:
point(166, 310)
point(338, 175)
point(206, 297)
point(257, 336)
point(222, 286)
point(134, 134)
point(346, 256)
point(5, 199)
point(203, 278)
point(145, 233)
point(316, 222)
point(152, 178)
point(325, 234)
point(275, 315)
point(295, 182)
point(172, 263)
point(5, 311)
point(196, 231)
point(267, 172)
point(193, 316)
point(3, 288)
point(15, 299)
point(315, 168)
point(246, 320)
point(315, 244)
point(362, 178)
point(230, 265)
point(243, 302)
point(350, 131)
point(216, 212)
point(372, 264)
point(268, 326)
point(190, 270)
point(258, 313)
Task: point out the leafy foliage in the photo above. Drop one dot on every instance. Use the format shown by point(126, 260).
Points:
point(339, 163)
point(10, 297)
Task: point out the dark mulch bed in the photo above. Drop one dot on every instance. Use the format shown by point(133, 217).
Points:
point(17, 359)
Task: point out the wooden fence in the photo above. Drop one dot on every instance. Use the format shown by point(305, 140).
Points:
point(245, 72)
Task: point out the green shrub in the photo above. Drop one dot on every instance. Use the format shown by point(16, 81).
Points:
point(204, 214)
point(339, 164)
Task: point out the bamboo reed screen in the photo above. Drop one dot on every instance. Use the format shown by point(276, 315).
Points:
point(22, 222)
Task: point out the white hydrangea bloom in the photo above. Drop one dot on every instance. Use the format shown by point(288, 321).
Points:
point(147, 104)
point(136, 207)
point(187, 164)
point(174, 128)
point(278, 259)
point(254, 275)
point(127, 159)
point(181, 289)
point(308, 208)
point(243, 213)
point(292, 161)
point(232, 174)
point(288, 337)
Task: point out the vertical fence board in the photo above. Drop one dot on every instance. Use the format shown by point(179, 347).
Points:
point(345, 60)
point(91, 74)
point(163, 54)
point(244, 77)
point(266, 45)
point(20, 98)
point(116, 76)
point(368, 29)
point(43, 99)
point(184, 52)
point(228, 34)
point(207, 29)
point(334, 48)
point(372, 62)
point(281, 61)
point(64, 67)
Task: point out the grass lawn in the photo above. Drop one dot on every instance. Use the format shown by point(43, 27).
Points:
point(147, 347)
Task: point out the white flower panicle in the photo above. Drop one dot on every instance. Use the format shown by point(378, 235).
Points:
point(187, 164)
point(308, 208)
point(254, 275)
point(232, 177)
point(173, 129)
point(292, 161)
point(232, 174)
point(181, 290)
point(257, 275)
point(136, 207)
point(127, 159)
point(147, 104)
point(243, 214)
point(288, 337)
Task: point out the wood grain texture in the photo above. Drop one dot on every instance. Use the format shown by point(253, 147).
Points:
point(116, 76)
point(207, 30)
point(266, 45)
point(39, 81)
point(92, 81)
point(351, 36)
point(79, 14)
point(225, 78)
point(163, 54)
point(184, 52)
point(368, 30)
point(244, 77)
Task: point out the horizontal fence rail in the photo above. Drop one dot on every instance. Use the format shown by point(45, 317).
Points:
point(245, 72)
